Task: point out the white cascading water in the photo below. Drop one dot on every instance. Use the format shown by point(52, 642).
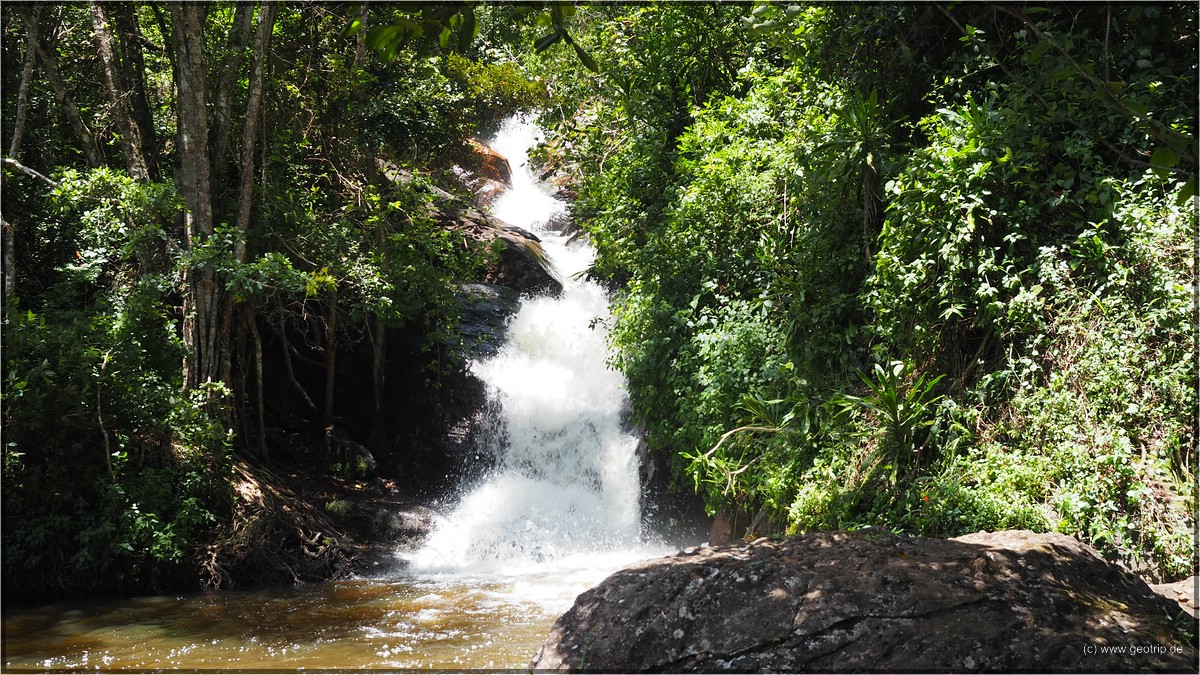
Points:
point(561, 509)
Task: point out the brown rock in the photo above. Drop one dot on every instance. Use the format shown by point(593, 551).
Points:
point(723, 528)
point(521, 263)
point(872, 601)
point(488, 163)
point(483, 171)
point(1183, 592)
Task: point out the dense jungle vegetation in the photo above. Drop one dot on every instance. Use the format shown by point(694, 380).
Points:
point(929, 267)
point(921, 266)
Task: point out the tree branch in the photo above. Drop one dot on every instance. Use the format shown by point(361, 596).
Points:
point(26, 78)
point(727, 434)
point(9, 161)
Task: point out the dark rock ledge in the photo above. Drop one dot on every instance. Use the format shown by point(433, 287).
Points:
point(869, 601)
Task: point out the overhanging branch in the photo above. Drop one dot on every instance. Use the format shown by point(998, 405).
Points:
point(32, 173)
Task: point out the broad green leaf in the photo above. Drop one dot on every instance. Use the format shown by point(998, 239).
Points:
point(1136, 107)
point(585, 58)
point(469, 29)
point(1162, 160)
point(546, 41)
point(1186, 192)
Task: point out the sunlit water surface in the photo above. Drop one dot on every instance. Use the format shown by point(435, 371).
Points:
point(559, 512)
point(405, 623)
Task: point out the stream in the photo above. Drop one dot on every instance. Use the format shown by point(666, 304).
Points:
point(559, 512)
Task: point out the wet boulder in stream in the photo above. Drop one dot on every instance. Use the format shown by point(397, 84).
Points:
point(519, 261)
point(482, 171)
point(486, 310)
point(871, 601)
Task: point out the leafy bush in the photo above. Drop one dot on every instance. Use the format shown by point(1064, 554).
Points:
point(111, 476)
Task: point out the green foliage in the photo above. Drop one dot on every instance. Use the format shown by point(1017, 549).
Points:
point(494, 90)
point(111, 476)
point(903, 411)
point(98, 495)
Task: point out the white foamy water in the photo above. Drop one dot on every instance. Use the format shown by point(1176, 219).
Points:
point(561, 509)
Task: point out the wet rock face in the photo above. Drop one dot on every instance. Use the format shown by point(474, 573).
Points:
point(482, 171)
point(486, 311)
point(871, 601)
point(520, 262)
point(489, 163)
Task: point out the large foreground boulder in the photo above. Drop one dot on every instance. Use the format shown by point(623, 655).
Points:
point(870, 601)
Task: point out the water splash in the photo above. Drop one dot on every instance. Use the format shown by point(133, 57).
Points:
point(525, 204)
point(561, 509)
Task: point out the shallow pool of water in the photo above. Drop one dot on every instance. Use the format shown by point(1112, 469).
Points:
point(355, 624)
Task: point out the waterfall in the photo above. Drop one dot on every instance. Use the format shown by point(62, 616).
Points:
point(563, 499)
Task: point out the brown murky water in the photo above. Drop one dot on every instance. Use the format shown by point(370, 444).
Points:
point(402, 623)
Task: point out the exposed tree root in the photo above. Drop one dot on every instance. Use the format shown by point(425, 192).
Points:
point(287, 528)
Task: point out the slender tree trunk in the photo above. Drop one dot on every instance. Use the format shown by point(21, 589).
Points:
point(239, 34)
point(245, 201)
point(7, 236)
point(10, 261)
point(87, 141)
point(168, 36)
point(133, 72)
point(31, 21)
point(291, 370)
point(378, 439)
point(204, 360)
point(262, 40)
point(260, 400)
point(118, 94)
point(9, 245)
point(360, 48)
point(330, 361)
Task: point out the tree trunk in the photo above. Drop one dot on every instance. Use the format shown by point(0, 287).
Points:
point(330, 361)
point(378, 440)
point(118, 94)
point(262, 40)
point(87, 141)
point(7, 236)
point(31, 21)
point(168, 36)
point(133, 72)
point(202, 332)
point(291, 371)
point(239, 34)
point(260, 400)
point(10, 261)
